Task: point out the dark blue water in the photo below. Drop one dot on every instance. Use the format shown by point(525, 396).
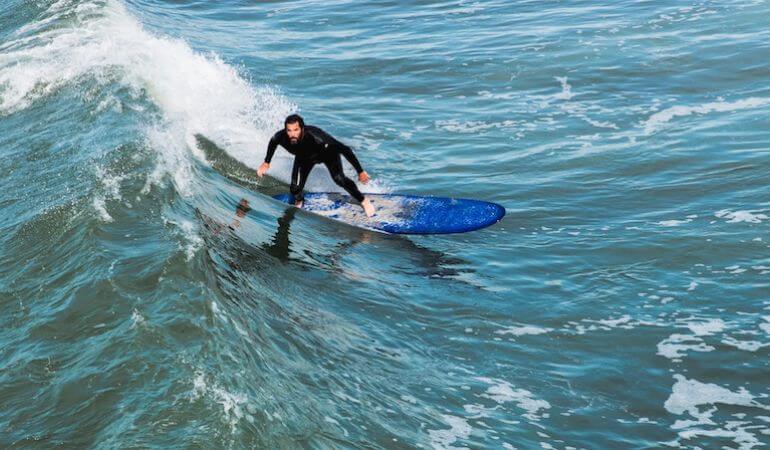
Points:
point(621, 303)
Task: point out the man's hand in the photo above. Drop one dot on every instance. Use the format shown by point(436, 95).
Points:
point(263, 168)
point(364, 177)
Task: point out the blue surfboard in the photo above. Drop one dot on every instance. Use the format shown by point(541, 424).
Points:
point(404, 214)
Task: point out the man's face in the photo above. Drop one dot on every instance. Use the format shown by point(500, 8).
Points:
point(294, 131)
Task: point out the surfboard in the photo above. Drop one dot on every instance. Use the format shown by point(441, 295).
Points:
point(404, 214)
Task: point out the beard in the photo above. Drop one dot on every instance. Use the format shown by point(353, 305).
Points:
point(295, 140)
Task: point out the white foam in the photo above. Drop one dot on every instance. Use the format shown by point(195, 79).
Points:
point(688, 395)
point(499, 95)
point(675, 346)
point(199, 386)
point(706, 327)
point(231, 404)
point(523, 330)
point(111, 191)
point(673, 222)
point(566, 89)
point(477, 411)
point(336, 422)
point(137, 319)
point(613, 323)
point(749, 346)
point(765, 326)
point(740, 216)
point(472, 126)
point(600, 124)
point(192, 242)
point(502, 392)
point(234, 405)
point(101, 210)
point(443, 439)
point(657, 120)
point(110, 183)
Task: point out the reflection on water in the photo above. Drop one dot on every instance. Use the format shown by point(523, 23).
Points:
point(423, 260)
point(241, 209)
point(279, 245)
point(244, 256)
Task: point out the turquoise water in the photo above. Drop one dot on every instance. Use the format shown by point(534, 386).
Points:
point(621, 303)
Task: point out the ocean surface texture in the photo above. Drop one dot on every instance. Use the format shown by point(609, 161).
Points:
point(153, 295)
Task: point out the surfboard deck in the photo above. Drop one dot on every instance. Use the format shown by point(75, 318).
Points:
point(404, 214)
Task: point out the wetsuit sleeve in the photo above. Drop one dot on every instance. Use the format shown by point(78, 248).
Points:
point(347, 152)
point(343, 149)
point(271, 146)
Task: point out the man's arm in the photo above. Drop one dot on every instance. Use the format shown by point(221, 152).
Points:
point(351, 157)
point(347, 152)
point(271, 146)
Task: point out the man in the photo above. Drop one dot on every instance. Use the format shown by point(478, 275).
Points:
point(311, 145)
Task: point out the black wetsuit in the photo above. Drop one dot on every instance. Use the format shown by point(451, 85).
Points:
point(316, 146)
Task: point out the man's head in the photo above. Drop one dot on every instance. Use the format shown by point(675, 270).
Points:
point(294, 126)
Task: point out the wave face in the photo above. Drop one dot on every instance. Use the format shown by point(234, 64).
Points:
point(154, 296)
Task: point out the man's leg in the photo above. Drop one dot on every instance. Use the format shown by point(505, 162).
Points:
point(299, 173)
point(334, 164)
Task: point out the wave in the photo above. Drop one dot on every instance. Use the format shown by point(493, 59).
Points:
point(177, 91)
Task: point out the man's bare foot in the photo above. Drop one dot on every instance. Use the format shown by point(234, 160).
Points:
point(298, 204)
point(368, 207)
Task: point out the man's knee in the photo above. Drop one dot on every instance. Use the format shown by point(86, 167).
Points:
point(340, 179)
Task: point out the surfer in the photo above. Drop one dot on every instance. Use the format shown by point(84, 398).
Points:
point(310, 146)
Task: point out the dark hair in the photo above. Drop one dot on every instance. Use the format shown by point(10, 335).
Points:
point(294, 118)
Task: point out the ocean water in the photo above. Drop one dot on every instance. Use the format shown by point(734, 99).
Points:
point(623, 302)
